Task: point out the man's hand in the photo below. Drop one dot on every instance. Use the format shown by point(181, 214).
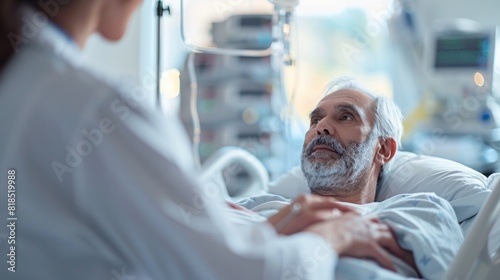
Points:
point(361, 237)
point(312, 209)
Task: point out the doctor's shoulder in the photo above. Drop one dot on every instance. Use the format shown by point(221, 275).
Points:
point(104, 93)
point(121, 95)
point(129, 104)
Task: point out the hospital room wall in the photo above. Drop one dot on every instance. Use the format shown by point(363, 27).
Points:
point(134, 57)
point(131, 58)
point(483, 11)
point(120, 58)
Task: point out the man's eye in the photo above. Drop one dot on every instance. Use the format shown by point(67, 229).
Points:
point(346, 117)
point(315, 120)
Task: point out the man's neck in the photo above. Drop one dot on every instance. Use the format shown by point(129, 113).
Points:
point(366, 195)
point(364, 192)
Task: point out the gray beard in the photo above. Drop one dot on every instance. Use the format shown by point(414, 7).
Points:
point(342, 175)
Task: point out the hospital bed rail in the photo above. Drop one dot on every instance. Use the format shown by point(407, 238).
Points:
point(225, 157)
point(474, 260)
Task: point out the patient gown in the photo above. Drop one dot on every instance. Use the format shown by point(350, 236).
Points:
point(423, 223)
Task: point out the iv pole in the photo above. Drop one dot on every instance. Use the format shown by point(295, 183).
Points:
point(160, 9)
point(280, 49)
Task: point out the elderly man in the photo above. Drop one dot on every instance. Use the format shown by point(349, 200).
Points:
point(353, 134)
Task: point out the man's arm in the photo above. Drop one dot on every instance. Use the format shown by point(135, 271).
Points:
point(360, 237)
point(426, 225)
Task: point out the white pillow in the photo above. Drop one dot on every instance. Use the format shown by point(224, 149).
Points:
point(465, 188)
point(290, 184)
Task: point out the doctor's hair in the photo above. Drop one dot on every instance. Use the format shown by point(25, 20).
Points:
point(10, 26)
point(7, 25)
point(388, 121)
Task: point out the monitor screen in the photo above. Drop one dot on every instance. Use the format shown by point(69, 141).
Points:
point(462, 51)
point(256, 21)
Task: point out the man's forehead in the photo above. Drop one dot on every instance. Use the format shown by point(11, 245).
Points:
point(350, 96)
point(361, 102)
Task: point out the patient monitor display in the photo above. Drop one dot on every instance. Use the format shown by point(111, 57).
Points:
point(460, 60)
point(459, 51)
point(459, 72)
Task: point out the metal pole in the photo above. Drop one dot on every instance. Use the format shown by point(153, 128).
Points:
point(160, 9)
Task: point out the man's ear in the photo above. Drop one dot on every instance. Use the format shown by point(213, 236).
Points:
point(385, 150)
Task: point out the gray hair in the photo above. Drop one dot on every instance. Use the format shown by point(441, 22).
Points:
point(388, 121)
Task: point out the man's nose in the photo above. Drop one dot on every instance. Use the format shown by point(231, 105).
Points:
point(325, 132)
point(323, 128)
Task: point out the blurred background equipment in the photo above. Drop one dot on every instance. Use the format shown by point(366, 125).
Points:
point(234, 96)
point(237, 94)
point(458, 116)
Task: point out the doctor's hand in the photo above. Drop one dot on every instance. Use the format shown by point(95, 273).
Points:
point(360, 237)
point(305, 211)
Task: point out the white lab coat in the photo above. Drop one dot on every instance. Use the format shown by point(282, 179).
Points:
point(105, 189)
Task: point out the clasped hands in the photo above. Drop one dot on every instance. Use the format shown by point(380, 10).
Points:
point(345, 230)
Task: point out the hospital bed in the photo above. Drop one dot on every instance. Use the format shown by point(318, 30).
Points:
point(475, 199)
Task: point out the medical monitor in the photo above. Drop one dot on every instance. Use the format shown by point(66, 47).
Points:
point(463, 51)
point(461, 56)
